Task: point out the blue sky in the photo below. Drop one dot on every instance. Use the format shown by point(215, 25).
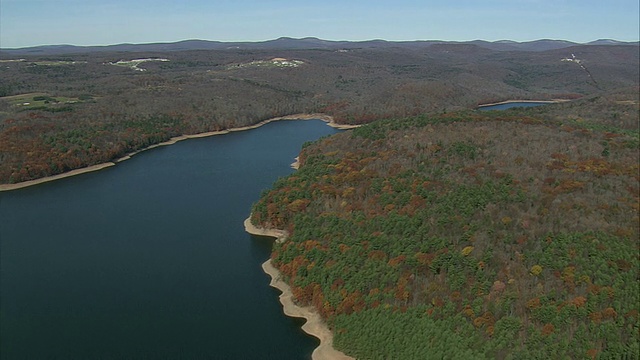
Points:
point(102, 22)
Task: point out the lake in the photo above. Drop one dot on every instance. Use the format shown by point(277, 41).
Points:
point(510, 105)
point(149, 258)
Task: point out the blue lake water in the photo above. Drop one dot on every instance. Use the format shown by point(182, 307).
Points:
point(149, 259)
point(511, 105)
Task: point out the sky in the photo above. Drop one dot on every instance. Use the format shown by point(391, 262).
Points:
point(26, 23)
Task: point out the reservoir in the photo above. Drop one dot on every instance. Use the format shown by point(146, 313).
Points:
point(149, 259)
point(509, 105)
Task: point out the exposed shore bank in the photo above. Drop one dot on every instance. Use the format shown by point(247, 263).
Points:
point(7, 187)
point(314, 325)
point(326, 118)
point(296, 164)
point(553, 101)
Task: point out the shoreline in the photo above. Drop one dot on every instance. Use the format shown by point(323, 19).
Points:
point(314, 325)
point(314, 116)
point(296, 164)
point(84, 170)
point(553, 101)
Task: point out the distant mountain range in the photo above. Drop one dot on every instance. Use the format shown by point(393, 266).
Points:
point(304, 43)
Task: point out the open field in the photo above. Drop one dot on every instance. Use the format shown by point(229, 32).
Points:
point(43, 101)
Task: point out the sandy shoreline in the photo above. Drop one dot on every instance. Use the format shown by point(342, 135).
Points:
point(326, 118)
point(7, 187)
point(314, 325)
point(554, 101)
point(296, 164)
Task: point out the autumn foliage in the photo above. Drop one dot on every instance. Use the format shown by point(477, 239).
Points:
point(521, 235)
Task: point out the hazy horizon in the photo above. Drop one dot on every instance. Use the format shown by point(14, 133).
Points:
point(27, 23)
point(314, 37)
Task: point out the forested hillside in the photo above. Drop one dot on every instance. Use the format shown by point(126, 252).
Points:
point(62, 112)
point(469, 235)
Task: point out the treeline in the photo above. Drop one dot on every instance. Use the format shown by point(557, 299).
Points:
point(110, 110)
point(466, 235)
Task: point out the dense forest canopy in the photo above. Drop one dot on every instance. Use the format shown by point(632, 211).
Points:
point(467, 235)
point(61, 112)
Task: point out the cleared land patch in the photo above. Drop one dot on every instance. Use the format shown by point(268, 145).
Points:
point(44, 101)
point(275, 62)
point(135, 63)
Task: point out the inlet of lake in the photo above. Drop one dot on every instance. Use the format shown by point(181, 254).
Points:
point(149, 259)
point(509, 105)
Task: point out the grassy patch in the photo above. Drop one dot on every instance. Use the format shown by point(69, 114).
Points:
point(43, 101)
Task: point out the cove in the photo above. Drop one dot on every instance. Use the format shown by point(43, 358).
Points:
point(512, 104)
point(149, 258)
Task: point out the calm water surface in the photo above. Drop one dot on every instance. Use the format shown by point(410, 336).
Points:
point(149, 259)
point(512, 105)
